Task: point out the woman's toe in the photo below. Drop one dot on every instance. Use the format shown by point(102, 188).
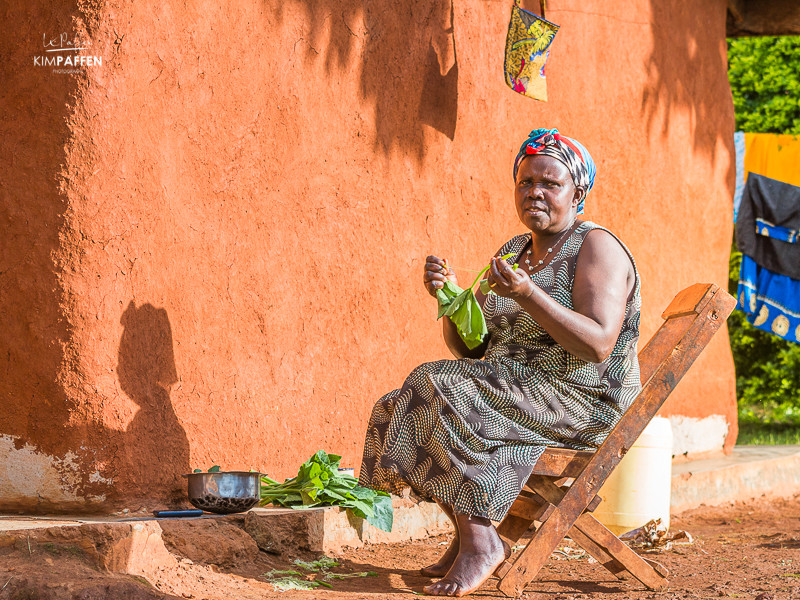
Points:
point(443, 588)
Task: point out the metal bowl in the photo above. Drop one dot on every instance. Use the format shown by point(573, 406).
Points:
point(224, 492)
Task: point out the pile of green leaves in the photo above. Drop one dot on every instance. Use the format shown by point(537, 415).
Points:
point(319, 483)
point(462, 308)
point(318, 575)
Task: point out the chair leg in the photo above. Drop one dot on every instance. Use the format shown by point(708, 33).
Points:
point(601, 543)
point(652, 575)
point(616, 568)
point(533, 557)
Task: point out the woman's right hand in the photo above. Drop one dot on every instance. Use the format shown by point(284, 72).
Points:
point(436, 273)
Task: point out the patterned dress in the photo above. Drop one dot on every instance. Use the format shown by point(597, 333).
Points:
point(468, 432)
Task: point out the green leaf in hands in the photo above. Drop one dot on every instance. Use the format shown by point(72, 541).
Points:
point(446, 295)
point(466, 315)
point(462, 308)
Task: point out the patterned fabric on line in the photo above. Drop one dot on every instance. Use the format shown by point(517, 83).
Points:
point(770, 300)
point(468, 432)
point(527, 49)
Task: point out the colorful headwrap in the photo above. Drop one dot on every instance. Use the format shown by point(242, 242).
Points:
point(570, 152)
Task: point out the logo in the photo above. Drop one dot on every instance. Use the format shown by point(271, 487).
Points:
point(64, 54)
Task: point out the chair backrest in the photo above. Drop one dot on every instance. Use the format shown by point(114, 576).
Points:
point(691, 319)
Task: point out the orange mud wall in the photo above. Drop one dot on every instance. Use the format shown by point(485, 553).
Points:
point(213, 241)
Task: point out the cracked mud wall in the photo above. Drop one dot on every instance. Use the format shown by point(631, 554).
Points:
point(213, 241)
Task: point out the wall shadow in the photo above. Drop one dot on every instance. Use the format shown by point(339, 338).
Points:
point(684, 43)
point(154, 449)
point(394, 60)
point(34, 135)
point(438, 105)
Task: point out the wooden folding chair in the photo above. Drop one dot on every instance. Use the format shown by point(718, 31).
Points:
point(557, 510)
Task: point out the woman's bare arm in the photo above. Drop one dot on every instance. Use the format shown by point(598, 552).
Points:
point(604, 277)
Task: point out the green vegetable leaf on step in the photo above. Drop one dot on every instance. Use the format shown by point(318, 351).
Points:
point(319, 483)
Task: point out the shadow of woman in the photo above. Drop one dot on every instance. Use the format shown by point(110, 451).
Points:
point(154, 448)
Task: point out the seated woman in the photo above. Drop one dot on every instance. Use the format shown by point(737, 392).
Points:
point(558, 368)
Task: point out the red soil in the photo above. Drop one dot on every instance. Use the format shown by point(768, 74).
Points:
point(743, 550)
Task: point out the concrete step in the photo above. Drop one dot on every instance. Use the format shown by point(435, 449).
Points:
point(322, 530)
point(748, 472)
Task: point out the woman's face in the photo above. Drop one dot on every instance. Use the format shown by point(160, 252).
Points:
point(545, 194)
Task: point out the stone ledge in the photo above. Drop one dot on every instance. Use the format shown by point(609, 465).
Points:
point(275, 530)
point(748, 472)
point(330, 529)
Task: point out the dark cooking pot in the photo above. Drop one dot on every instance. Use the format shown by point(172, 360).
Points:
point(224, 492)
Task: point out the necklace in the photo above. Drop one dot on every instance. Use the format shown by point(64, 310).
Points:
point(550, 249)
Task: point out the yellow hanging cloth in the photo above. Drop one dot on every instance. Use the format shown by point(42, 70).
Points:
point(773, 155)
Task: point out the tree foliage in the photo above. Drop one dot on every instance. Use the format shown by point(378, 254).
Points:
point(765, 80)
point(764, 73)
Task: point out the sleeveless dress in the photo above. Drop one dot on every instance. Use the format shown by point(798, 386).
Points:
point(468, 432)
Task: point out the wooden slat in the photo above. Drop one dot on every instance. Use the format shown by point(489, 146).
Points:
point(528, 508)
point(658, 567)
point(598, 541)
point(691, 300)
point(679, 316)
point(600, 555)
point(520, 517)
point(622, 554)
point(555, 494)
point(661, 345)
point(561, 462)
point(714, 306)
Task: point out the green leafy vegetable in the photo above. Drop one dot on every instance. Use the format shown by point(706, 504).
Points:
point(462, 308)
point(319, 483)
point(484, 287)
point(276, 572)
point(323, 563)
point(295, 580)
point(351, 575)
point(283, 584)
point(214, 469)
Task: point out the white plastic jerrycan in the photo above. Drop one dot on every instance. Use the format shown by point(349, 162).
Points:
point(638, 490)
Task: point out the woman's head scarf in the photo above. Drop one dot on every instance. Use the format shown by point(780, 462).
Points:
point(570, 152)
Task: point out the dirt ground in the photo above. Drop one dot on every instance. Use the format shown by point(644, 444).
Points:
point(745, 550)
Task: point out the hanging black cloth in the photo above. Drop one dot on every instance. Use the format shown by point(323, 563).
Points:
point(768, 225)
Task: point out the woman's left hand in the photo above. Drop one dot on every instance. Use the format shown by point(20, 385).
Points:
point(507, 282)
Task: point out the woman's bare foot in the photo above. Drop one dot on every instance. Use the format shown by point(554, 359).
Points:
point(442, 566)
point(481, 552)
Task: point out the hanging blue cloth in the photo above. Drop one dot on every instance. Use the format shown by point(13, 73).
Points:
point(770, 300)
point(767, 232)
point(767, 225)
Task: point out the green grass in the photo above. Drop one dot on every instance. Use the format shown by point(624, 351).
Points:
point(767, 434)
